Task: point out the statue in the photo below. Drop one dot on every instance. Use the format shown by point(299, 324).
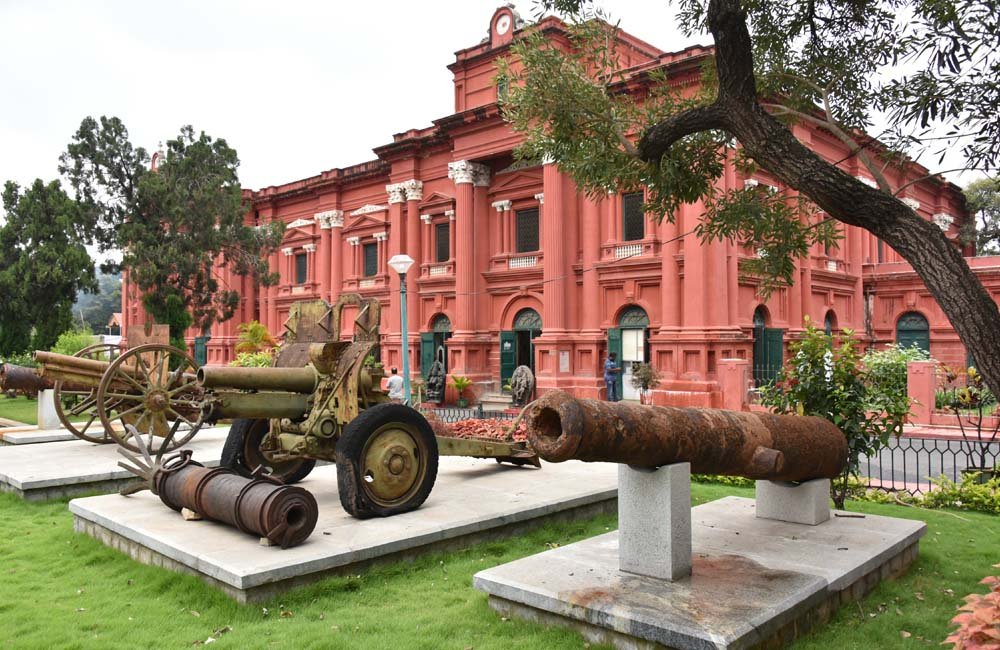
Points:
point(436, 377)
point(522, 385)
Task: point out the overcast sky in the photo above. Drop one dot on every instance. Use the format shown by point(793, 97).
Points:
point(295, 87)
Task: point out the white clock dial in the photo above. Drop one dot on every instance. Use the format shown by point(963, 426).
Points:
point(503, 24)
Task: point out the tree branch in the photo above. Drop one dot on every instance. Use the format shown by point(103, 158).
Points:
point(661, 136)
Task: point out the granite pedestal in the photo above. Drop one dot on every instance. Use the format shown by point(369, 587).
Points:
point(471, 500)
point(54, 470)
point(754, 583)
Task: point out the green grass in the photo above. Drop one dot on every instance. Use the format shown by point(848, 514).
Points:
point(20, 408)
point(61, 589)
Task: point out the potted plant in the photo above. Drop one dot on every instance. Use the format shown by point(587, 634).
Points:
point(460, 383)
point(417, 388)
point(644, 379)
point(972, 406)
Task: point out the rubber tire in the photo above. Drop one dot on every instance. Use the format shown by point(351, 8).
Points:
point(348, 454)
point(232, 452)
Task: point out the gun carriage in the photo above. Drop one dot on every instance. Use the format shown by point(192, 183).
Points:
point(319, 401)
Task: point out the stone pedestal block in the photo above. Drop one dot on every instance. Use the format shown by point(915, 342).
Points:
point(654, 521)
point(47, 418)
point(797, 503)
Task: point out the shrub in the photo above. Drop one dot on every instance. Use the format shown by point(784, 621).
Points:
point(644, 379)
point(460, 383)
point(886, 369)
point(969, 494)
point(979, 619)
point(21, 359)
point(254, 337)
point(72, 341)
point(832, 382)
point(253, 360)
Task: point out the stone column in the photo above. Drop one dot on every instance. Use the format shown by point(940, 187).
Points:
point(553, 245)
point(310, 250)
point(336, 254)
point(452, 235)
point(590, 228)
point(414, 190)
point(500, 242)
point(429, 241)
point(394, 246)
point(288, 275)
point(670, 281)
point(271, 321)
point(324, 219)
point(354, 243)
point(464, 174)
point(857, 319)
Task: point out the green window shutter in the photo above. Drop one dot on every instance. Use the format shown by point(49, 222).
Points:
point(301, 267)
point(774, 353)
point(442, 241)
point(426, 353)
point(508, 357)
point(527, 230)
point(371, 259)
point(633, 218)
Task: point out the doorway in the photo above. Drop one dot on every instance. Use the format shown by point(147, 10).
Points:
point(768, 349)
point(629, 342)
point(431, 342)
point(517, 347)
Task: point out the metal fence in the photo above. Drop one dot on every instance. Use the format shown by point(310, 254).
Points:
point(909, 464)
point(450, 415)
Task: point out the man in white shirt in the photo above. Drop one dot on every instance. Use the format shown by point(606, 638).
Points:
point(395, 386)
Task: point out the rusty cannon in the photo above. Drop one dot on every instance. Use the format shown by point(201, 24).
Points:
point(733, 443)
point(21, 380)
point(100, 392)
point(322, 400)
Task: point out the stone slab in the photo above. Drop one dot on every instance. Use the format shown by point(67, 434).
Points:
point(797, 503)
point(58, 469)
point(654, 520)
point(35, 436)
point(472, 499)
point(752, 579)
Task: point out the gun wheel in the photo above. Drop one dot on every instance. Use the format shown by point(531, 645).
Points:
point(242, 453)
point(153, 389)
point(387, 462)
point(76, 406)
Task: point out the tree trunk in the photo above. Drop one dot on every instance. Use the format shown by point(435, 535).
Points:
point(951, 282)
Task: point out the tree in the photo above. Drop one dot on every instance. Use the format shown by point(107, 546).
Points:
point(176, 225)
point(983, 197)
point(807, 62)
point(45, 263)
point(94, 311)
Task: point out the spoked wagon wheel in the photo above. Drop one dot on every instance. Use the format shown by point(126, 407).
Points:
point(387, 461)
point(154, 389)
point(79, 402)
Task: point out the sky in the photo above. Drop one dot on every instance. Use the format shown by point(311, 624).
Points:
point(295, 87)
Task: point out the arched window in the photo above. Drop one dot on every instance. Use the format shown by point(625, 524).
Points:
point(634, 317)
point(527, 319)
point(912, 329)
point(441, 324)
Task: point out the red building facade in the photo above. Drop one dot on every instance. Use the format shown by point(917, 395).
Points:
point(515, 266)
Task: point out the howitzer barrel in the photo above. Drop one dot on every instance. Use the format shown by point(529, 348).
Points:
point(262, 405)
point(294, 380)
point(22, 379)
point(284, 514)
point(734, 443)
point(79, 365)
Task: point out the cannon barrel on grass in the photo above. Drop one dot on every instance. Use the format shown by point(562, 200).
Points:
point(733, 443)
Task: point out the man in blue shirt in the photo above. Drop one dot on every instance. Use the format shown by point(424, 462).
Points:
point(611, 371)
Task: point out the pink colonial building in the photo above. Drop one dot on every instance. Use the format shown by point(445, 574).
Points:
point(515, 266)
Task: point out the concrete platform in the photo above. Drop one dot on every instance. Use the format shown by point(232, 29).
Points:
point(37, 472)
point(34, 435)
point(472, 500)
point(754, 583)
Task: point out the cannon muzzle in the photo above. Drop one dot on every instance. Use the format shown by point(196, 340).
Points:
point(734, 443)
point(21, 379)
point(292, 380)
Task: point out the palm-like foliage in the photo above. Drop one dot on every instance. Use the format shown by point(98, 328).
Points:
point(254, 337)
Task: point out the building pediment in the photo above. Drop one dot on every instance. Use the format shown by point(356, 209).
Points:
point(518, 180)
point(437, 200)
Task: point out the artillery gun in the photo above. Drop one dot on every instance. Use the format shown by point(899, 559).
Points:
point(321, 401)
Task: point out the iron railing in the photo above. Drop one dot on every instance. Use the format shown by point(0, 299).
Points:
point(450, 415)
point(909, 464)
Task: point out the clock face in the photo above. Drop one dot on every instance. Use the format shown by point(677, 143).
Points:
point(503, 24)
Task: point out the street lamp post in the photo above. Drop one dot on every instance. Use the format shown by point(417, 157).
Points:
point(401, 264)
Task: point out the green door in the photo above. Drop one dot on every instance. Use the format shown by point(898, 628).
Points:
point(201, 349)
point(913, 330)
point(768, 354)
point(426, 353)
point(508, 357)
point(615, 345)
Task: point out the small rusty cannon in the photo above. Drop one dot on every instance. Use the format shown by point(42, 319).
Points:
point(18, 379)
point(733, 443)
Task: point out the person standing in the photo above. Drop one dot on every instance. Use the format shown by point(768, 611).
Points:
point(611, 371)
point(395, 386)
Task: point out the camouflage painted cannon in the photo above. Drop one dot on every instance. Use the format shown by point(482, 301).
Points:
point(733, 443)
point(322, 401)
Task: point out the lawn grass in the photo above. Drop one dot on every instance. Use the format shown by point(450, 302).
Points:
point(19, 408)
point(61, 589)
